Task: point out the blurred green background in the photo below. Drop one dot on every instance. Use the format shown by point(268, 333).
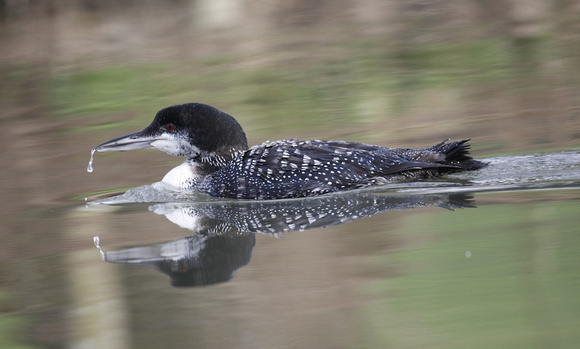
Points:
point(390, 72)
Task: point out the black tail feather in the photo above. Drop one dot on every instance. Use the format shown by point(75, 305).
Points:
point(457, 153)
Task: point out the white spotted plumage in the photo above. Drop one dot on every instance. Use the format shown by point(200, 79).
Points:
point(220, 163)
point(291, 168)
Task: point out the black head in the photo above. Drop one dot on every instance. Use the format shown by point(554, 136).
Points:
point(194, 130)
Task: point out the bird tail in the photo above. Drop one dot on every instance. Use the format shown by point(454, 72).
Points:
point(457, 154)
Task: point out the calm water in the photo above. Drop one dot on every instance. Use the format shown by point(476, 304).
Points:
point(486, 259)
point(481, 259)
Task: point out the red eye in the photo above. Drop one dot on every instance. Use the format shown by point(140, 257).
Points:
point(170, 127)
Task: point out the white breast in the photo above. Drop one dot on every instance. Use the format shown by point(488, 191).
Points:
point(181, 177)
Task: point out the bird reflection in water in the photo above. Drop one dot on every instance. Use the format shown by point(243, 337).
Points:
point(225, 231)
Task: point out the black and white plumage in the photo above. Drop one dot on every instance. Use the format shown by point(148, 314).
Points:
point(220, 163)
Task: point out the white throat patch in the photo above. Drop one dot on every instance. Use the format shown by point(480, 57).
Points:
point(174, 144)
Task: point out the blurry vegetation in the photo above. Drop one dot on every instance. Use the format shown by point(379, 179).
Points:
point(315, 93)
point(505, 73)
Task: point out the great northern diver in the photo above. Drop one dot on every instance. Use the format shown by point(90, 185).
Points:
point(220, 164)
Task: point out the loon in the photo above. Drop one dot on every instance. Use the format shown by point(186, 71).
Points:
point(219, 162)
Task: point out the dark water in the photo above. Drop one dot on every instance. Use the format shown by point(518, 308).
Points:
point(487, 258)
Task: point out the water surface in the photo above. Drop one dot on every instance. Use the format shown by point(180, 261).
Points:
point(472, 259)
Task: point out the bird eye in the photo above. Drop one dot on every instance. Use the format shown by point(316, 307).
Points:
point(170, 127)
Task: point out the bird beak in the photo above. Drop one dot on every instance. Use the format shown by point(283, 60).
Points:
point(129, 142)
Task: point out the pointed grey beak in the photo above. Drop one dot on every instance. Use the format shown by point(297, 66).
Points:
point(128, 142)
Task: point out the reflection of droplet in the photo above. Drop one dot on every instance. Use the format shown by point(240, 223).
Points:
point(90, 167)
point(468, 254)
point(97, 241)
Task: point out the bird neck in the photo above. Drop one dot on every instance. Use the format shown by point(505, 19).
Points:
point(212, 161)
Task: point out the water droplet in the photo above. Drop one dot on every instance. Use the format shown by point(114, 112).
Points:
point(90, 167)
